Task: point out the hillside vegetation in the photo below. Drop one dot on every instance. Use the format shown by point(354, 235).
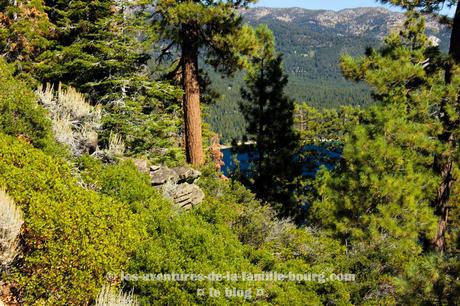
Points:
point(111, 187)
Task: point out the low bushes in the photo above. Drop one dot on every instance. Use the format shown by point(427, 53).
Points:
point(72, 236)
point(21, 116)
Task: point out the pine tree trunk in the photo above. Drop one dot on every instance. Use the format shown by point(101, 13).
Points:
point(442, 202)
point(444, 163)
point(454, 50)
point(191, 102)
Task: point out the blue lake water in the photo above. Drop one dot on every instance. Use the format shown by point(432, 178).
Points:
point(314, 158)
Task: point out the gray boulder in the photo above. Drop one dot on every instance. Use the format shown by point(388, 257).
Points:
point(177, 184)
point(162, 175)
point(187, 174)
point(186, 195)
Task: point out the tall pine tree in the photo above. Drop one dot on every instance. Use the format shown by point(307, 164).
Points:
point(379, 201)
point(192, 26)
point(445, 160)
point(270, 117)
point(94, 49)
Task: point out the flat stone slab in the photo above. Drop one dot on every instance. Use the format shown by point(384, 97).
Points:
point(187, 174)
point(186, 195)
point(177, 184)
point(163, 175)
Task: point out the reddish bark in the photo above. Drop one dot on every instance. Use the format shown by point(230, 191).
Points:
point(191, 103)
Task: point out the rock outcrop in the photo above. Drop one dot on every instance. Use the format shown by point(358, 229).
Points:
point(178, 185)
point(186, 195)
point(162, 175)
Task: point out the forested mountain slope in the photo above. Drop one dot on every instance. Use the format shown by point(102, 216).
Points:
point(312, 42)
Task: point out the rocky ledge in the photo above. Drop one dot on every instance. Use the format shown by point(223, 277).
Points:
point(178, 185)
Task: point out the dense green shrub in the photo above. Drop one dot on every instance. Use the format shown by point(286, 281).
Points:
point(229, 232)
point(20, 113)
point(277, 245)
point(216, 237)
point(72, 236)
point(122, 181)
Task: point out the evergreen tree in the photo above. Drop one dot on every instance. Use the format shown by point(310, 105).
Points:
point(270, 117)
point(193, 25)
point(25, 33)
point(379, 201)
point(435, 6)
point(95, 48)
point(444, 164)
point(325, 125)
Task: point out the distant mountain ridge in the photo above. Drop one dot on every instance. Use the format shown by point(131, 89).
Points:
point(374, 22)
point(312, 42)
point(348, 21)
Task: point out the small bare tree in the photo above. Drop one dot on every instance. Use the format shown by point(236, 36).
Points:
point(75, 121)
point(10, 227)
point(109, 296)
